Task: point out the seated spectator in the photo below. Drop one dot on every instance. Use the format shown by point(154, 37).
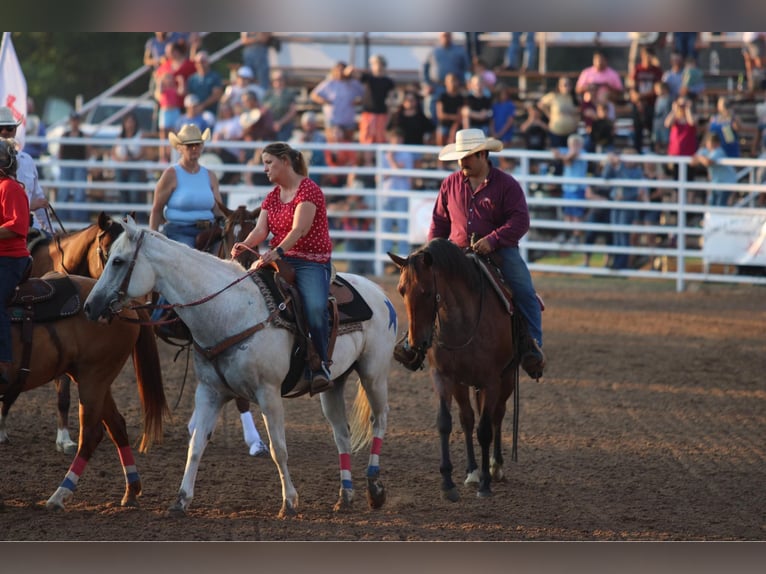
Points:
point(503, 125)
point(310, 133)
point(228, 129)
point(242, 84)
point(449, 111)
point(605, 79)
point(256, 120)
point(601, 133)
point(412, 121)
point(534, 131)
point(194, 114)
point(477, 110)
point(205, 83)
point(280, 100)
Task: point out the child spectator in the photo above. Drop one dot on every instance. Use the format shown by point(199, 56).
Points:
point(709, 156)
point(502, 126)
point(448, 110)
point(574, 166)
point(661, 110)
point(170, 99)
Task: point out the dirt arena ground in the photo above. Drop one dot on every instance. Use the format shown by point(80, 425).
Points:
point(649, 426)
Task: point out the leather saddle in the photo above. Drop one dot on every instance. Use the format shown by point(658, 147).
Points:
point(347, 311)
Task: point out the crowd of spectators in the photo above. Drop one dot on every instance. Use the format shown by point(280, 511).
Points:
point(660, 96)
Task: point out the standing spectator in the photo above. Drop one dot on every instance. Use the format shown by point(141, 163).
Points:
point(449, 110)
point(685, 43)
point(378, 87)
point(14, 255)
point(473, 45)
point(617, 168)
point(129, 150)
point(413, 122)
point(280, 100)
point(692, 80)
point(709, 156)
point(310, 133)
point(255, 55)
point(674, 75)
point(605, 79)
point(639, 40)
point(26, 174)
point(574, 166)
point(530, 52)
point(477, 110)
point(645, 75)
point(446, 58)
point(682, 138)
point(503, 124)
point(662, 106)
point(71, 176)
point(396, 160)
point(726, 125)
point(534, 131)
point(752, 53)
point(177, 64)
point(205, 83)
point(154, 53)
point(562, 112)
point(242, 84)
point(338, 95)
point(342, 158)
point(170, 100)
point(34, 127)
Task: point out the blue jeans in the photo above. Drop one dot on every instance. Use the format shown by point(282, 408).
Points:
point(685, 43)
point(11, 271)
point(516, 274)
point(185, 233)
point(256, 57)
point(514, 51)
point(313, 280)
point(621, 238)
point(74, 194)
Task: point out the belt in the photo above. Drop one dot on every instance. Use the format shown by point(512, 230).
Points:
point(203, 224)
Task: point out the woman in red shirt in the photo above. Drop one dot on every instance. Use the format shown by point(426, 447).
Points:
point(14, 255)
point(295, 214)
point(683, 131)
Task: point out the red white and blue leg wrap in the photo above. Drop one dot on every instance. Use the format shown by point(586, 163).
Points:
point(345, 470)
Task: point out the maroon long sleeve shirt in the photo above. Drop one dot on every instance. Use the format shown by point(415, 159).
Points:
point(497, 209)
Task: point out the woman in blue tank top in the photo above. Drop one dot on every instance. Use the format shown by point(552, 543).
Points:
point(186, 196)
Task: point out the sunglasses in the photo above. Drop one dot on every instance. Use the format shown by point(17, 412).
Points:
point(8, 128)
point(193, 144)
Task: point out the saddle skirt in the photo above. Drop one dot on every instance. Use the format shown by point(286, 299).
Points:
point(45, 299)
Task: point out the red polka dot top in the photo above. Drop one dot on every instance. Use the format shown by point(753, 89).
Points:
point(316, 245)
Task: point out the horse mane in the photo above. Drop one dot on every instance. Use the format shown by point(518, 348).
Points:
point(452, 261)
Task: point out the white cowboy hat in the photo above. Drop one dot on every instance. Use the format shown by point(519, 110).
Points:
point(189, 134)
point(468, 142)
point(7, 118)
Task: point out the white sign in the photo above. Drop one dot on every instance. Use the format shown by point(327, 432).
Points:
point(734, 239)
point(420, 220)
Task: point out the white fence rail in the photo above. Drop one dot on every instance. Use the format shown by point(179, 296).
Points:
point(363, 222)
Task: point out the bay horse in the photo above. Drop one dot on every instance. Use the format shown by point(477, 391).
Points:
point(93, 354)
point(84, 253)
point(241, 351)
point(466, 332)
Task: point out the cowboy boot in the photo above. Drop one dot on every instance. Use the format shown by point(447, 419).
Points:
point(320, 380)
point(533, 360)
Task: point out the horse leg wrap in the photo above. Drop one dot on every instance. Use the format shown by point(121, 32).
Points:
point(345, 470)
point(128, 464)
point(373, 468)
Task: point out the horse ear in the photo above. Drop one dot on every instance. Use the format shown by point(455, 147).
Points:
point(398, 261)
point(103, 221)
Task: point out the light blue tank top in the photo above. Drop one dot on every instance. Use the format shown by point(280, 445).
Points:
point(192, 199)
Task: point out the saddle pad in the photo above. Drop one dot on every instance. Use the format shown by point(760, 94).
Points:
point(61, 299)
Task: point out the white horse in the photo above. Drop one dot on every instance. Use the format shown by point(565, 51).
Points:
point(228, 303)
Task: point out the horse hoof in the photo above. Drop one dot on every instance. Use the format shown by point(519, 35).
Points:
point(343, 506)
point(67, 447)
point(376, 493)
point(483, 493)
point(129, 502)
point(472, 478)
point(452, 494)
point(176, 510)
point(287, 512)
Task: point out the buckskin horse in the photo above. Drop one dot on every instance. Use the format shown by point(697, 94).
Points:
point(243, 350)
point(471, 340)
point(48, 324)
point(84, 253)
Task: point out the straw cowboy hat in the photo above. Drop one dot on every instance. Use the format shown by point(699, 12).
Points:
point(189, 134)
point(250, 118)
point(7, 118)
point(468, 142)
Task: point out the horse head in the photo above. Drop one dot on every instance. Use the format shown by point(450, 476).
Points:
point(417, 286)
point(109, 230)
point(237, 226)
point(123, 277)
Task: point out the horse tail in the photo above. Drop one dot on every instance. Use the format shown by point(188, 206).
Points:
point(361, 425)
point(146, 362)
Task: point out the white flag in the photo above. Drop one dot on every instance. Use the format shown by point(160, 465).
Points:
point(13, 86)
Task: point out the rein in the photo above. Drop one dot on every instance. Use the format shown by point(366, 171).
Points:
point(438, 322)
